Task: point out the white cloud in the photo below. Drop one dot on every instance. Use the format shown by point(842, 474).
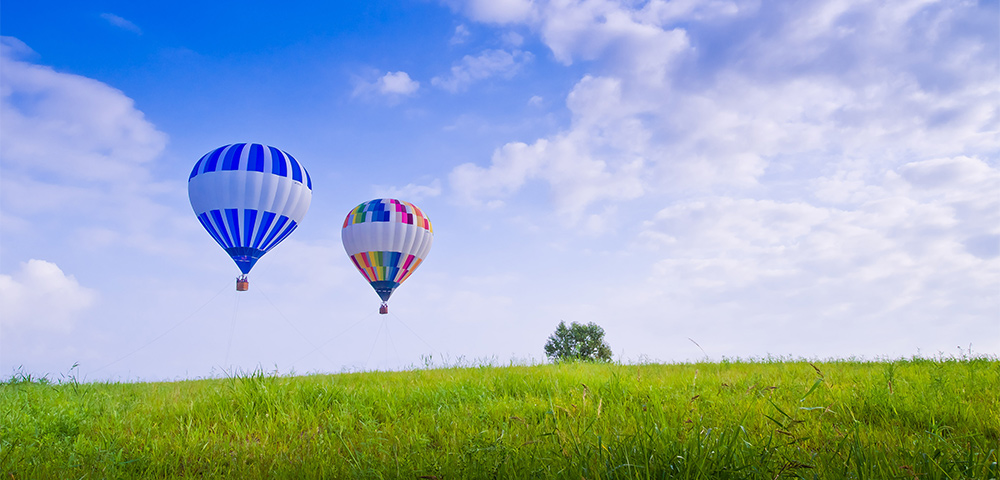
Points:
point(75, 158)
point(574, 164)
point(121, 23)
point(40, 296)
point(489, 63)
point(513, 39)
point(510, 167)
point(13, 48)
point(576, 175)
point(391, 87)
point(663, 11)
point(461, 35)
point(620, 36)
point(70, 126)
point(496, 11)
point(821, 170)
point(960, 175)
point(397, 83)
point(410, 192)
point(911, 261)
point(752, 112)
point(852, 274)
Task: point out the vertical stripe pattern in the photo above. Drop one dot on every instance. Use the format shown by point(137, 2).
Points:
point(249, 197)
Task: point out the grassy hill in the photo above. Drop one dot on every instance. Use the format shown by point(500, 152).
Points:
point(908, 419)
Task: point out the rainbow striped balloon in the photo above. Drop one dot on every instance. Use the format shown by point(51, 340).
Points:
point(387, 239)
point(249, 197)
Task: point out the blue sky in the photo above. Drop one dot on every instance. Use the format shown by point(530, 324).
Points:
point(806, 179)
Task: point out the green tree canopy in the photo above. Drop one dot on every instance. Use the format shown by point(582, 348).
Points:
point(578, 342)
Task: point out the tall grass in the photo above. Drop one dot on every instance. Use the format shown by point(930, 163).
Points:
point(918, 418)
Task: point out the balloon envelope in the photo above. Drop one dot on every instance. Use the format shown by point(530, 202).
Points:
point(249, 197)
point(387, 239)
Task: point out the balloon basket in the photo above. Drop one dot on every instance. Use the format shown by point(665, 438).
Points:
point(383, 309)
point(242, 284)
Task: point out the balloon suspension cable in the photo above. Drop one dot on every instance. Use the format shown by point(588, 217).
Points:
point(232, 333)
point(400, 320)
point(289, 322)
point(165, 332)
point(384, 308)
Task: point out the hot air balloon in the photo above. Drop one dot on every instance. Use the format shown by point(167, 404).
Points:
point(249, 197)
point(387, 239)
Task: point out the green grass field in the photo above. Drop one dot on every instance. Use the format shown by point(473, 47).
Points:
point(906, 419)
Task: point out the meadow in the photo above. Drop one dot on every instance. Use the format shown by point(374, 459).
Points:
point(761, 419)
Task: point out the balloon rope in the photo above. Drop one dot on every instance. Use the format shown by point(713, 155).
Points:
point(389, 343)
point(133, 352)
point(232, 331)
point(342, 332)
point(289, 322)
point(400, 320)
point(365, 366)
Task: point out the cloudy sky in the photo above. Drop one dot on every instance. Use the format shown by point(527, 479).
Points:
point(715, 178)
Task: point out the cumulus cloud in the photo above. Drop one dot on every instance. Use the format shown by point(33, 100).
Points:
point(513, 39)
point(70, 126)
point(410, 192)
point(496, 11)
point(962, 175)
point(489, 63)
point(392, 87)
point(861, 273)
point(75, 158)
point(965, 188)
point(901, 258)
point(577, 177)
point(461, 35)
point(810, 166)
point(397, 83)
point(624, 38)
point(121, 23)
point(726, 104)
point(663, 11)
point(41, 296)
point(574, 164)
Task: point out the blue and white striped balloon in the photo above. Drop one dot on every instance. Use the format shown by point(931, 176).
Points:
point(249, 197)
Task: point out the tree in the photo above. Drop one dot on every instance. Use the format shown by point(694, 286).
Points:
point(578, 342)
